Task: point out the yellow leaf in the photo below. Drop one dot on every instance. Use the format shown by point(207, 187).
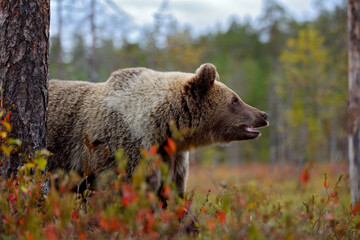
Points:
point(18, 142)
point(29, 165)
point(45, 152)
point(7, 150)
point(41, 163)
point(3, 134)
point(24, 189)
point(251, 205)
point(7, 125)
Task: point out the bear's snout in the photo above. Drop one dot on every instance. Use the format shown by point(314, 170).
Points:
point(265, 116)
point(261, 118)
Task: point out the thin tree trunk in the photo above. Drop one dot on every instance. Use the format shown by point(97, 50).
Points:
point(24, 47)
point(59, 59)
point(233, 154)
point(273, 130)
point(333, 141)
point(92, 64)
point(354, 99)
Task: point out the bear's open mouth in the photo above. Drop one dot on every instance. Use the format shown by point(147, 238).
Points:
point(253, 131)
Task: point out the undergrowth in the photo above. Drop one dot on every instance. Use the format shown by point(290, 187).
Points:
point(119, 210)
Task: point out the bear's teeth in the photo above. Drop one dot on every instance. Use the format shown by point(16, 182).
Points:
point(251, 129)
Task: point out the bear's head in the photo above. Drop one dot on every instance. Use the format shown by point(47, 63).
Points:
point(223, 116)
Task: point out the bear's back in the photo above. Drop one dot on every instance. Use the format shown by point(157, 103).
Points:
point(146, 99)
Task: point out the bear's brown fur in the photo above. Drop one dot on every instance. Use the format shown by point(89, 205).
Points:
point(133, 110)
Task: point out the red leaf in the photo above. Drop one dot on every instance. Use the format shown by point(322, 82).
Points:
point(182, 212)
point(153, 150)
point(203, 209)
point(50, 233)
point(149, 221)
point(129, 196)
point(170, 148)
point(29, 237)
point(222, 217)
point(333, 195)
point(114, 225)
point(74, 215)
point(325, 185)
point(210, 225)
point(82, 236)
point(145, 153)
point(166, 192)
point(8, 116)
point(104, 223)
point(355, 210)
point(304, 177)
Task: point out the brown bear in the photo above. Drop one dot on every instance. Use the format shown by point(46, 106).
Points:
point(134, 109)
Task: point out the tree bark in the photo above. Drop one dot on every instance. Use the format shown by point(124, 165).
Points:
point(354, 99)
point(24, 47)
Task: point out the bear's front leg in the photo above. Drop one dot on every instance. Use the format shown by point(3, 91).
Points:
point(178, 168)
point(180, 171)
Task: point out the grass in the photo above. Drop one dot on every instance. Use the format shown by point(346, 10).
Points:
point(282, 180)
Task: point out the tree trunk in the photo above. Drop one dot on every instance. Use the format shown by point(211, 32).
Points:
point(24, 38)
point(59, 59)
point(92, 63)
point(354, 99)
point(334, 153)
point(233, 154)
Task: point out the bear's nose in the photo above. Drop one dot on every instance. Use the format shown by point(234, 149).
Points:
point(265, 116)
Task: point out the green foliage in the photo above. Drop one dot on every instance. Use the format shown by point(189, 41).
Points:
point(7, 144)
point(179, 51)
point(310, 106)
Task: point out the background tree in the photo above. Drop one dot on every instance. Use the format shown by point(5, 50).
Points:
point(92, 53)
point(276, 28)
point(331, 25)
point(57, 43)
point(305, 91)
point(24, 37)
point(354, 99)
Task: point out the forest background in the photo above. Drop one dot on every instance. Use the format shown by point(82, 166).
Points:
point(296, 70)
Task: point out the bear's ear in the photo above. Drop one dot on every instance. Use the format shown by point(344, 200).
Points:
point(204, 78)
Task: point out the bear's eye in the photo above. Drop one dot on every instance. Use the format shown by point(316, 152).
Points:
point(235, 102)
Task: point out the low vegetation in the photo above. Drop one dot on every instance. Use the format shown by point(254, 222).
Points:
point(223, 202)
point(271, 204)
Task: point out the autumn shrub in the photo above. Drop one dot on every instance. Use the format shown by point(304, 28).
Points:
point(121, 210)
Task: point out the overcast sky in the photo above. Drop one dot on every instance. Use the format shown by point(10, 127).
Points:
point(205, 14)
point(201, 16)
